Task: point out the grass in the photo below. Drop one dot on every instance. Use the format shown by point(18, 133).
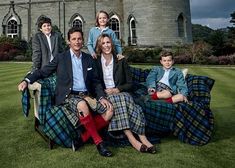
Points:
point(21, 146)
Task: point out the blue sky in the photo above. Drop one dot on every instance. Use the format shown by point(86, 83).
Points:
point(212, 13)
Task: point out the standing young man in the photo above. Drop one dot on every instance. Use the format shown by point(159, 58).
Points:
point(46, 44)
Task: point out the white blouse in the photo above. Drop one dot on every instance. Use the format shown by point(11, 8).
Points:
point(107, 73)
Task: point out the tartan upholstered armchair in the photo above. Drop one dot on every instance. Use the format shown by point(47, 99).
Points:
point(50, 121)
point(191, 122)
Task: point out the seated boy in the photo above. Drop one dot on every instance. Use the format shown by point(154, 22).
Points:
point(167, 82)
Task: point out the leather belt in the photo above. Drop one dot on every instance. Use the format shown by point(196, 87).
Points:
point(79, 93)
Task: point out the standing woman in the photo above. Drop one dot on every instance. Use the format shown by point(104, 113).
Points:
point(116, 80)
point(102, 27)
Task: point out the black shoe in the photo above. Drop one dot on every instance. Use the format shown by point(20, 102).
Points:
point(103, 151)
point(152, 150)
point(76, 144)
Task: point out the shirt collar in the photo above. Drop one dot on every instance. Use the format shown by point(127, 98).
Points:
point(74, 55)
point(167, 69)
point(102, 29)
point(103, 60)
point(49, 35)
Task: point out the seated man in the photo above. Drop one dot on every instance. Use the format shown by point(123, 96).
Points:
point(75, 79)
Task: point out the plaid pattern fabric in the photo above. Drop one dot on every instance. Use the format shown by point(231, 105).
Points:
point(47, 96)
point(161, 86)
point(25, 100)
point(194, 122)
point(191, 123)
point(59, 128)
point(127, 114)
point(71, 105)
point(159, 115)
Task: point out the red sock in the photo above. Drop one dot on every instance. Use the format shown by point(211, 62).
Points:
point(154, 96)
point(89, 125)
point(99, 124)
point(169, 100)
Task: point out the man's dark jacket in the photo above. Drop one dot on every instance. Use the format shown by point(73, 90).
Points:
point(62, 65)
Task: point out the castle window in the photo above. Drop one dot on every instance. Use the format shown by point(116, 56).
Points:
point(12, 28)
point(77, 22)
point(114, 25)
point(11, 24)
point(132, 40)
point(181, 26)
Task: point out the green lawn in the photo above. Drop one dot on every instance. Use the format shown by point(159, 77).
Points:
point(21, 146)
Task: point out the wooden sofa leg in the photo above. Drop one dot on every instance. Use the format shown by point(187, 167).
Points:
point(41, 133)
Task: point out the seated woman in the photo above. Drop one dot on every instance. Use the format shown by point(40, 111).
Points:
point(128, 116)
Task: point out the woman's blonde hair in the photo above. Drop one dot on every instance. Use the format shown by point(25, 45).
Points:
point(97, 18)
point(98, 46)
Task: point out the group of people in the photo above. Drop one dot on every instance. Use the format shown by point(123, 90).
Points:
point(103, 74)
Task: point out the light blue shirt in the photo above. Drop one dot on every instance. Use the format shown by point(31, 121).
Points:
point(165, 78)
point(94, 34)
point(78, 79)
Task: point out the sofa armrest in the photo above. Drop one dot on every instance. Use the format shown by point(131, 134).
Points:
point(36, 88)
point(199, 88)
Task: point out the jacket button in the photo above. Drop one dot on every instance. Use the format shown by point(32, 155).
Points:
point(66, 95)
point(70, 88)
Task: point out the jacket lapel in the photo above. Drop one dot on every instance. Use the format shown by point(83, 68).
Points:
point(172, 73)
point(115, 66)
point(68, 63)
point(52, 42)
point(99, 64)
point(84, 65)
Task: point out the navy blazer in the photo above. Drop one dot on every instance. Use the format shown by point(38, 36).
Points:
point(121, 74)
point(62, 65)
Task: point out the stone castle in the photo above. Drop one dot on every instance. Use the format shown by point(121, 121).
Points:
point(142, 23)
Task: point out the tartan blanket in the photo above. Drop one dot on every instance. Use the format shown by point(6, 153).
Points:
point(58, 128)
point(47, 96)
point(191, 123)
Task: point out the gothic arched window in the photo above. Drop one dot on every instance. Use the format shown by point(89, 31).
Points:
point(132, 31)
point(12, 28)
point(77, 22)
point(181, 25)
point(114, 25)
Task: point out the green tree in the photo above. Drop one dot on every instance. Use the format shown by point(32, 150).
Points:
point(201, 33)
point(218, 39)
point(231, 33)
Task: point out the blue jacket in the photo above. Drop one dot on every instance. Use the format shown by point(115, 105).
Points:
point(94, 34)
point(176, 79)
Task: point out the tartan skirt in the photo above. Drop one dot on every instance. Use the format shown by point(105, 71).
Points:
point(127, 114)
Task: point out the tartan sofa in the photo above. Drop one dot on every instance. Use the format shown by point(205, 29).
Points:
point(192, 123)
